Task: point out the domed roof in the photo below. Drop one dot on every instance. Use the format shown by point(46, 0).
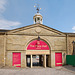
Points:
point(38, 14)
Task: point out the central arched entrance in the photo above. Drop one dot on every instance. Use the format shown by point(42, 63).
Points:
point(38, 54)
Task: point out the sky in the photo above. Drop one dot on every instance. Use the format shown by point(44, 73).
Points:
point(57, 14)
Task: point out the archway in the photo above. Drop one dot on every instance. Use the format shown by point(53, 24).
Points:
point(39, 50)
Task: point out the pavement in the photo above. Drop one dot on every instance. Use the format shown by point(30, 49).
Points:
point(64, 70)
point(67, 68)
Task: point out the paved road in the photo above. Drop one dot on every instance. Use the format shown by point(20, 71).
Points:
point(36, 71)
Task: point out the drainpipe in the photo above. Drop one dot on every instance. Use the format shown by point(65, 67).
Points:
point(67, 44)
point(4, 48)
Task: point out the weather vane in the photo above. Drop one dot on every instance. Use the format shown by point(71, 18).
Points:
point(37, 7)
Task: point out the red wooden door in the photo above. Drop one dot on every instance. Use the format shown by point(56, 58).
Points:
point(58, 59)
point(17, 59)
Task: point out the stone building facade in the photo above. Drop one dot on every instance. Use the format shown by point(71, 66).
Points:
point(54, 47)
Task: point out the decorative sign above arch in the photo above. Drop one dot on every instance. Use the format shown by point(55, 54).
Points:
point(38, 45)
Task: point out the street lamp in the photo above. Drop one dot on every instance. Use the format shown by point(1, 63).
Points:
point(38, 38)
point(73, 46)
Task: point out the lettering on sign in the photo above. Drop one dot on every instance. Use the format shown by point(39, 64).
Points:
point(38, 45)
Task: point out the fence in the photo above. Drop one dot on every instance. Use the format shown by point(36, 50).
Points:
point(70, 60)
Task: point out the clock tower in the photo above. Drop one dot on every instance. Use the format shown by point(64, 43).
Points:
point(38, 19)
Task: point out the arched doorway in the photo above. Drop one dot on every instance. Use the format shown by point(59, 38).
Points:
point(38, 53)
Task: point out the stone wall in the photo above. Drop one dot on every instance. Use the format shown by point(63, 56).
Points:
point(20, 42)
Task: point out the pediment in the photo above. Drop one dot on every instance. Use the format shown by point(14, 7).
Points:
point(36, 29)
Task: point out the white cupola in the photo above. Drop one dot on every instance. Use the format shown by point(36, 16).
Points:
point(38, 18)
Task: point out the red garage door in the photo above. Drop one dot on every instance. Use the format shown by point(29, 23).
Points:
point(58, 59)
point(17, 59)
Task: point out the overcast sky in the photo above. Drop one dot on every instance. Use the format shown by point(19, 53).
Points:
point(57, 14)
